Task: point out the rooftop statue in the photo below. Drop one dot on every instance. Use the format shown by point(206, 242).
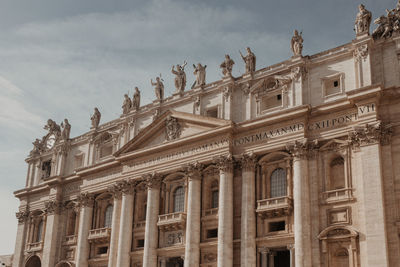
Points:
point(227, 66)
point(66, 129)
point(95, 118)
point(159, 88)
point(200, 72)
point(180, 77)
point(126, 105)
point(296, 44)
point(250, 60)
point(38, 147)
point(388, 24)
point(363, 20)
point(53, 128)
point(136, 99)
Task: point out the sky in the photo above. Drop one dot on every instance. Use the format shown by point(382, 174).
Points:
point(60, 59)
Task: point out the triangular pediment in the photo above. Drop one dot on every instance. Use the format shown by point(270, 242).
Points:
point(171, 126)
point(269, 84)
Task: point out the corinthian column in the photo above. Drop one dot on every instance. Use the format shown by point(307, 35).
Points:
point(82, 248)
point(302, 229)
point(22, 217)
point(225, 211)
point(50, 238)
point(192, 249)
point(151, 230)
point(125, 231)
point(116, 191)
point(248, 255)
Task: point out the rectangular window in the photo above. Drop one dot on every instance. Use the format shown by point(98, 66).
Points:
point(140, 243)
point(102, 250)
point(214, 199)
point(212, 233)
point(105, 151)
point(277, 226)
point(271, 101)
point(78, 162)
point(212, 112)
point(332, 85)
point(46, 169)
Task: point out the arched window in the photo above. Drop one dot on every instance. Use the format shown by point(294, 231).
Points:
point(39, 231)
point(71, 223)
point(108, 216)
point(337, 179)
point(278, 183)
point(214, 194)
point(179, 199)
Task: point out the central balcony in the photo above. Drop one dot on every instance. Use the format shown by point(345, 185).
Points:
point(99, 235)
point(274, 207)
point(172, 221)
point(70, 240)
point(338, 195)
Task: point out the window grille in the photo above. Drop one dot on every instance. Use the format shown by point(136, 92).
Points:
point(108, 216)
point(214, 199)
point(278, 183)
point(179, 199)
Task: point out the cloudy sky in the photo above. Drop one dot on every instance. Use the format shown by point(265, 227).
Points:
point(60, 59)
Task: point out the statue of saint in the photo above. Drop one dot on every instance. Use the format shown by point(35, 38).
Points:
point(180, 77)
point(37, 147)
point(127, 105)
point(227, 66)
point(136, 99)
point(296, 43)
point(159, 88)
point(200, 72)
point(66, 129)
point(249, 60)
point(363, 20)
point(96, 118)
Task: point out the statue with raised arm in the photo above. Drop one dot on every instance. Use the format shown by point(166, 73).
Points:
point(126, 105)
point(249, 60)
point(200, 72)
point(38, 147)
point(363, 20)
point(180, 77)
point(95, 118)
point(159, 88)
point(66, 129)
point(296, 44)
point(136, 99)
point(227, 66)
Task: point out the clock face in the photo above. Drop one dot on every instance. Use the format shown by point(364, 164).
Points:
point(50, 141)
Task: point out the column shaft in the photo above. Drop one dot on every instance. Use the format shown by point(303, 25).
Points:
point(125, 233)
point(50, 240)
point(248, 255)
point(20, 243)
point(151, 230)
point(112, 259)
point(82, 248)
point(302, 237)
point(192, 249)
point(225, 218)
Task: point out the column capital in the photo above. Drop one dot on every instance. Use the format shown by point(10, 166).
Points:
point(152, 180)
point(290, 246)
point(193, 170)
point(264, 250)
point(301, 149)
point(115, 190)
point(369, 134)
point(248, 161)
point(22, 216)
point(85, 199)
point(224, 163)
point(52, 207)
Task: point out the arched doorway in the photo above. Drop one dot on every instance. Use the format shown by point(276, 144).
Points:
point(33, 261)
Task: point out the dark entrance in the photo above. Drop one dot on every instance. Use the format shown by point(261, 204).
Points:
point(282, 258)
point(34, 261)
point(175, 262)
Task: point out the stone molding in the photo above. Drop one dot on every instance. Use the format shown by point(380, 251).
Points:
point(224, 163)
point(371, 134)
point(193, 170)
point(248, 161)
point(172, 128)
point(52, 207)
point(360, 53)
point(22, 216)
point(85, 199)
point(152, 180)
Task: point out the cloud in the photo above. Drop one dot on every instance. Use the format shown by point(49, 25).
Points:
point(8, 229)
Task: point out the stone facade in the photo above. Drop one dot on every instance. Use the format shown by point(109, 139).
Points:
point(295, 164)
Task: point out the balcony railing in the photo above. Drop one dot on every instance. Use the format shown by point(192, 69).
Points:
point(36, 246)
point(210, 212)
point(99, 235)
point(70, 240)
point(141, 224)
point(344, 194)
point(172, 221)
point(274, 207)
